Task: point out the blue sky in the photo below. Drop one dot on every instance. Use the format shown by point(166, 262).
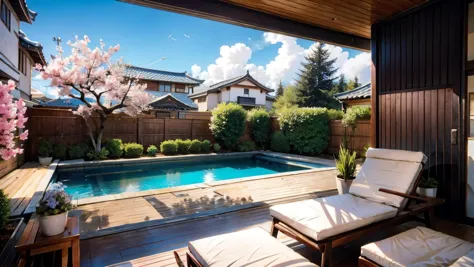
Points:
point(143, 36)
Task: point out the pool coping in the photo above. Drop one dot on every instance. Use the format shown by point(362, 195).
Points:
point(126, 195)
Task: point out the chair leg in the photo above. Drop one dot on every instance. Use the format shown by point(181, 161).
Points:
point(430, 219)
point(274, 230)
point(179, 262)
point(326, 252)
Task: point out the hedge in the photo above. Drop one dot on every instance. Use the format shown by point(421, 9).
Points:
point(133, 150)
point(307, 129)
point(228, 124)
point(169, 147)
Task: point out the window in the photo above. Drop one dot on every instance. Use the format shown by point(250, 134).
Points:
point(190, 90)
point(246, 91)
point(165, 87)
point(202, 99)
point(22, 62)
point(180, 88)
point(6, 15)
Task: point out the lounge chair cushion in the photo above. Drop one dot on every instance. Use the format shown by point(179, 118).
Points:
point(417, 247)
point(321, 218)
point(465, 261)
point(252, 247)
point(390, 169)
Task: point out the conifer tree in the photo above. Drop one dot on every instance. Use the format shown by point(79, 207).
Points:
point(342, 84)
point(280, 89)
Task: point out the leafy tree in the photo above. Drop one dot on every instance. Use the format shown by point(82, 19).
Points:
point(228, 123)
point(353, 84)
point(289, 99)
point(356, 82)
point(280, 90)
point(316, 79)
point(342, 84)
point(260, 125)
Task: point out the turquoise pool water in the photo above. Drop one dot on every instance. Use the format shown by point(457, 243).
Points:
point(91, 182)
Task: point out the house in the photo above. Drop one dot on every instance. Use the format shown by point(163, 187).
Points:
point(170, 90)
point(38, 97)
point(243, 89)
point(18, 54)
point(359, 96)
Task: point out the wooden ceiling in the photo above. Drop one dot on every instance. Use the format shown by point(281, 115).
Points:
point(348, 16)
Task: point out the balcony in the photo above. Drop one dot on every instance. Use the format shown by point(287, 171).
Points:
point(246, 101)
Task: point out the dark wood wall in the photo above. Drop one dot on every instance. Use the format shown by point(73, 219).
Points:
point(417, 62)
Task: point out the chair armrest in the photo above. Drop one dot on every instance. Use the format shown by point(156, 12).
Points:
point(388, 191)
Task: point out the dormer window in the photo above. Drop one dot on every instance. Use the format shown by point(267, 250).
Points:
point(5, 15)
point(246, 91)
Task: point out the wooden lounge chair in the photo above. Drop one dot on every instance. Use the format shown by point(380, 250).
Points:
point(379, 197)
point(251, 248)
point(418, 247)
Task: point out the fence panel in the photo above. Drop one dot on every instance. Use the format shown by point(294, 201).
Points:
point(358, 140)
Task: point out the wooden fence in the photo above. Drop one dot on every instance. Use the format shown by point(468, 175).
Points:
point(62, 126)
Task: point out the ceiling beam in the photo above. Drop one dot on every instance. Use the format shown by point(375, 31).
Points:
point(233, 14)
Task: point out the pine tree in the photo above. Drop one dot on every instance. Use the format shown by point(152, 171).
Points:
point(356, 82)
point(279, 91)
point(316, 79)
point(342, 84)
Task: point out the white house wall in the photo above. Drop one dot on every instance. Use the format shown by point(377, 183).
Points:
point(25, 80)
point(9, 45)
point(212, 101)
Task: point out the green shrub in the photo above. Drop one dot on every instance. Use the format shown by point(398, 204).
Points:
point(78, 151)
point(345, 163)
point(169, 147)
point(217, 147)
point(195, 146)
point(133, 150)
point(45, 148)
point(260, 125)
point(246, 146)
point(228, 123)
point(183, 145)
point(4, 209)
point(335, 114)
point(151, 150)
point(59, 151)
point(306, 129)
point(206, 146)
point(354, 114)
point(93, 155)
point(279, 142)
point(115, 148)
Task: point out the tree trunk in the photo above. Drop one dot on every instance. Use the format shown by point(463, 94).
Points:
point(96, 140)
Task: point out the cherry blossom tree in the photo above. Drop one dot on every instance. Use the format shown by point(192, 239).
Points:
point(90, 76)
point(12, 118)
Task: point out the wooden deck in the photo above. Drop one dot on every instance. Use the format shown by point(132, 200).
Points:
point(153, 246)
point(133, 213)
point(25, 186)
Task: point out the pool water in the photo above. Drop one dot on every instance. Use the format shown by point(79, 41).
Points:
point(92, 182)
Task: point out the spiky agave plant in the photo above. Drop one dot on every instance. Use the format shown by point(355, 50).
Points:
point(345, 163)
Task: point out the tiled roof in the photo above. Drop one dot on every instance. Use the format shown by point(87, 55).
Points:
point(217, 86)
point(181, 97)
point(66, 102)
point(35, 49)
point(23, 12)
point(362, 92)
point(160, 75)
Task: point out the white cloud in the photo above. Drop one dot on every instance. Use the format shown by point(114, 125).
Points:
point(235, 60)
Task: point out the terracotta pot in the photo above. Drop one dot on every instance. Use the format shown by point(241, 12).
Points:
point(45, 161)
point(427, 192)
point(343, 185)
point(54, 224)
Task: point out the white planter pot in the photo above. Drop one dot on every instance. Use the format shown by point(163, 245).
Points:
point(45, 161)
point(427, 192)
point(54, 224)
point(343, 185)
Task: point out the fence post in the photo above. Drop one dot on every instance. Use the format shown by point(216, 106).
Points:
point(166, 128)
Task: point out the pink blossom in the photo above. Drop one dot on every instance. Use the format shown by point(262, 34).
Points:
point(12, 118)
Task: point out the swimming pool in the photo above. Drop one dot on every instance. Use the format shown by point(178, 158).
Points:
point(107, 180)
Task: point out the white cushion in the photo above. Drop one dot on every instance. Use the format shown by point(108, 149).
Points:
point(465, 261)
point(252, 247)
point(390, 169)
point(417, 247)
point(321, 218)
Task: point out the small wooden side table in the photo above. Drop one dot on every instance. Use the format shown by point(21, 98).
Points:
point(33, 242)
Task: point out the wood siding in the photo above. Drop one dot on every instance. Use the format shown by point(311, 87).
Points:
point(419, 92)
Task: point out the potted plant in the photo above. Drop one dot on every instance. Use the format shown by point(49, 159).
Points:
point(10, 231)
point(53, 210)
point(346, 167)
point(45, 152)
point(428, 186)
